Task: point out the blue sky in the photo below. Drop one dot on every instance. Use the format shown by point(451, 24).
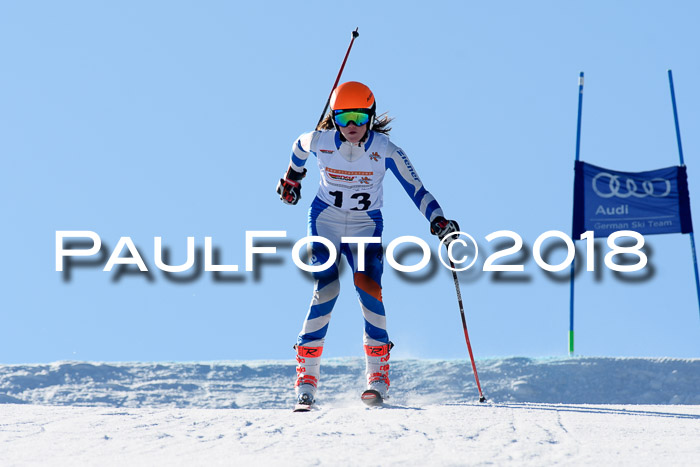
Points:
point(171, 119)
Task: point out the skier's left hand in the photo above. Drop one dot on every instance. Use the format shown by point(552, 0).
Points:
point(443, 227)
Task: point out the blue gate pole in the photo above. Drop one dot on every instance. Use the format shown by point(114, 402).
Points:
point(573, 262)
point(680, 154)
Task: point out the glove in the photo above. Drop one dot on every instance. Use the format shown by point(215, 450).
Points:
point(289, 187)
point(443, 227)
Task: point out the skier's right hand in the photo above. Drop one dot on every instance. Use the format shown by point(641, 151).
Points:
point(289, 187)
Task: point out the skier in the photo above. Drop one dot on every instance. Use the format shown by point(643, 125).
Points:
point(353, 151)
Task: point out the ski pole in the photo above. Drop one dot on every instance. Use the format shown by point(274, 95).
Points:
point(466, 334)
point(355, 34)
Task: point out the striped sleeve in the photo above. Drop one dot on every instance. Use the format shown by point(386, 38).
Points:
point(406, 174)
point(302, 147)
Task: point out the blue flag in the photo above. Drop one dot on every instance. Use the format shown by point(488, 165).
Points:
point(653, 202)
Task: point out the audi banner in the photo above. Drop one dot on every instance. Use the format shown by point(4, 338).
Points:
point(653, 202)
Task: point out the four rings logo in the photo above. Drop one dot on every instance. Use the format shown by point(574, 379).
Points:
point(656, 188)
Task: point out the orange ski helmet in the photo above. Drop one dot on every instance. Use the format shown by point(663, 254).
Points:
point(353, 95)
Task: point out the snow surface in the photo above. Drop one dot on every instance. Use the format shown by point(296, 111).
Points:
point(620, 411)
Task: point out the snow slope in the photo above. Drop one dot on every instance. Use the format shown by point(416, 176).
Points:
point(623, 411)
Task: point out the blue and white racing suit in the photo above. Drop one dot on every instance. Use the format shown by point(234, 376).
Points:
point(348, 204)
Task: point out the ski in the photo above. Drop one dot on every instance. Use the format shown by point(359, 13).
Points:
point(304, 403)
point(303, 407)
point(372, 398)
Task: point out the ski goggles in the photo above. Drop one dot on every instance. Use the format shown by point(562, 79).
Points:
point(357, 116)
